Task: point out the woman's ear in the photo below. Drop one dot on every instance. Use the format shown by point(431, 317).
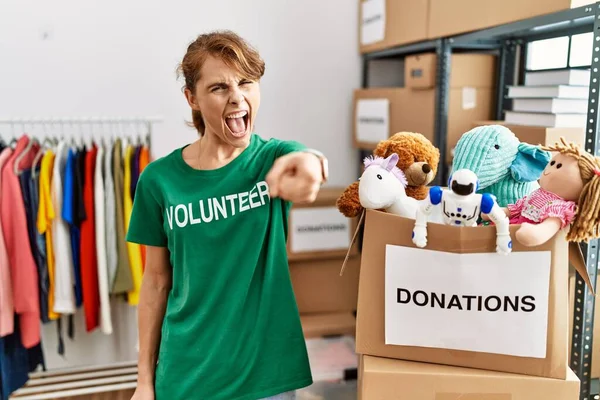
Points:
point(529, 163)
point(191, 99)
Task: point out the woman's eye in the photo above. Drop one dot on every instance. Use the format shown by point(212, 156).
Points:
point(552, 163)
point(497, 146)
point(245, 82)
point(558, 165)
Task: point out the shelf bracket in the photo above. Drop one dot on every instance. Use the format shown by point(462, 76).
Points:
point(442, 95)
point(583, 323)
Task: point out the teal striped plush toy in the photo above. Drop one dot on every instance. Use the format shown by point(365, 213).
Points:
point(506, 168)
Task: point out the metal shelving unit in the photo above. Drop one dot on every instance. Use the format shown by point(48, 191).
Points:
point(510, 42)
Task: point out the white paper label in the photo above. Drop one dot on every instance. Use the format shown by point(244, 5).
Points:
point(373, 21)
point(482, 302)
point(319, 229)
point(469, 98)
point(372, 120)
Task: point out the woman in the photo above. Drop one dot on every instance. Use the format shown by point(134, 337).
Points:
point(217, 313)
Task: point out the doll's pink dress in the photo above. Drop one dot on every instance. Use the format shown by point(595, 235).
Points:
point(540, 205)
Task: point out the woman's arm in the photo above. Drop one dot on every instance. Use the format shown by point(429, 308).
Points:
point(156, 285)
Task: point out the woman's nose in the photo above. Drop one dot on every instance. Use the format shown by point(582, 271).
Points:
point(237, 97)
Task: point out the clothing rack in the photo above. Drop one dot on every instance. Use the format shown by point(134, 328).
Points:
point(54, 122)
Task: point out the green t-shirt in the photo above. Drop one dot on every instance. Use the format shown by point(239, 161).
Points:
point(232, 329)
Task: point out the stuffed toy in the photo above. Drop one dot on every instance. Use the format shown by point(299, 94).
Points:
point(462, 206)
point(506, 168)
point(569, 195)
point(383, 186)
point(418, 159)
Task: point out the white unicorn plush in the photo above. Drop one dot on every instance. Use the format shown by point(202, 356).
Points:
point(382, 186)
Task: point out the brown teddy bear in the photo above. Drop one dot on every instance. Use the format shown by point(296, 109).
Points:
point(419, 160)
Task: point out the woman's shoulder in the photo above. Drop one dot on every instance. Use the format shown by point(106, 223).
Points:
point(278, 146)
point(160, 166)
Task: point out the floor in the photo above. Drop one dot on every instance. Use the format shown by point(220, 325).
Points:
point(329, 391)
point(331, 359)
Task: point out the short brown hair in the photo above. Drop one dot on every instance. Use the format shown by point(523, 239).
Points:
point(229, 47)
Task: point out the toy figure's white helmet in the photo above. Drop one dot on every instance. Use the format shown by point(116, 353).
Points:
point(463, 182)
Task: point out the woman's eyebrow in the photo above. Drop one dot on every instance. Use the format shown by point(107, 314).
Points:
point(217, 83)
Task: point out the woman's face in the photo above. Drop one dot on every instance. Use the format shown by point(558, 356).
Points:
point(228, 102)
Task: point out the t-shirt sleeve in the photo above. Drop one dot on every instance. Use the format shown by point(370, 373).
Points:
point(147, 218)
point(288, 146)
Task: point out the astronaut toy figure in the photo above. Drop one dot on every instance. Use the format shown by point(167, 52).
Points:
point(462, 206)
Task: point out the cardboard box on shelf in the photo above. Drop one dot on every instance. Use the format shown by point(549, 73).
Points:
point(382, 378)
point(539, 134)
point(328, 324)
point(388, 23)
point(381, 112)
point(447, 18)
point(523, 339)
point(319, 288)
point(468, 70)
point(318, 230)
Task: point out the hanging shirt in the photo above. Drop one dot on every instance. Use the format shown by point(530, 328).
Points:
point(16, 362)
point(44, 223)
point(110, 213)
point(99, 208)
point(40, 241)
point(30, 201)
point(64, 294)
point(69, 211)
point(144, 160)
point(135, 169)
point(133, 249)
point(123, 280)
point(89, 266)
point(23, 270)
point(6, 295)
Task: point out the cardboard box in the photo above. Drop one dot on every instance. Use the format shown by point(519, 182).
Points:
point(383, 229)
point(400, 109)
point(539, 134)
point(381, 378)
point(320, 289)
point(414, 111)
point(388, 23)
point(468, 70)
point(318, 230)
point(328, 324)
point(447, 18)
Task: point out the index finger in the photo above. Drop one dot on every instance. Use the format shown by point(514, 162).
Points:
point(274, 176)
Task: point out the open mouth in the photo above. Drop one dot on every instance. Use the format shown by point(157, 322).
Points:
point(237, 123)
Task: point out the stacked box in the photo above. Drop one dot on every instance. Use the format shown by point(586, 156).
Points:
point(319, 237)
point(381, 112)
point(448, 320)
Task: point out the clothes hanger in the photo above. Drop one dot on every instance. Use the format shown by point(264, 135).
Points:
point(20, 157)
point(46, 145)
point(40, 152)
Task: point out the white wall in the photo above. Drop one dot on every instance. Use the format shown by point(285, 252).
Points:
point(118, 58)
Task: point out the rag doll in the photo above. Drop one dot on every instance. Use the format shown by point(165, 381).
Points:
point(568, 196)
